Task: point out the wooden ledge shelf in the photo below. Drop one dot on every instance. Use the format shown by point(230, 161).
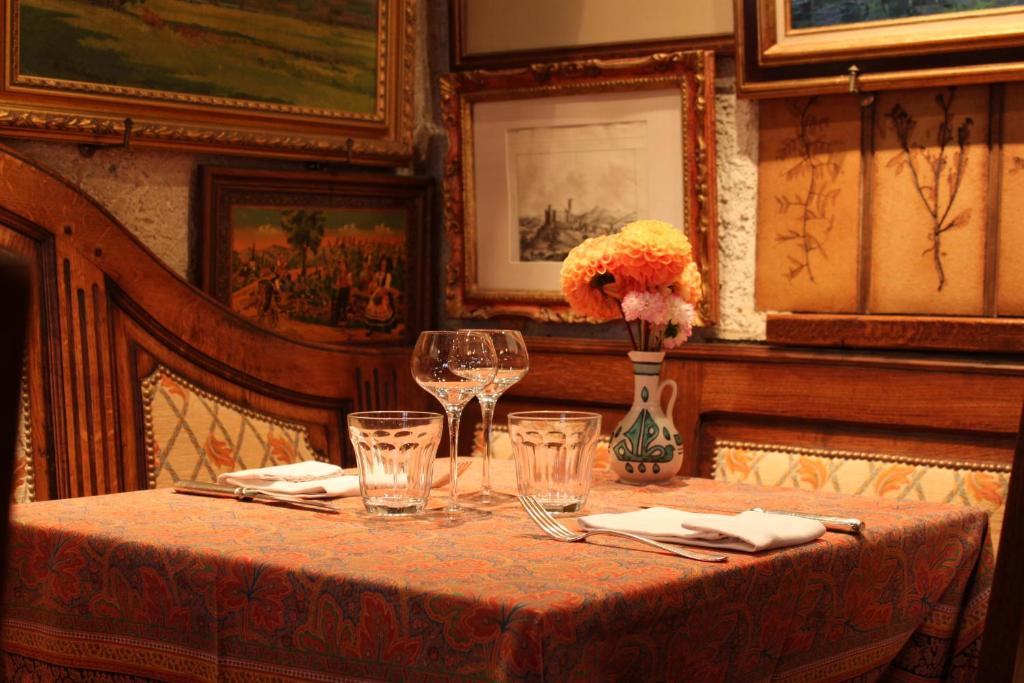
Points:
point(926, 333)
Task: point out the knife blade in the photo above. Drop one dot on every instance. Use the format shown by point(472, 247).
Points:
point(203, 488)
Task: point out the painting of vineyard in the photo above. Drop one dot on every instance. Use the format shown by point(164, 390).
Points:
point(303, 53)
point(327, 275)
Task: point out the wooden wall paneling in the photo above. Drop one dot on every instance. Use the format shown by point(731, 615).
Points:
point(923, 405)
point(898, 398)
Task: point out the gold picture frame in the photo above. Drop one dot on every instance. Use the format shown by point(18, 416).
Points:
point(778, 56)
point(204, 76)
point(503, 34)
point(487, 113)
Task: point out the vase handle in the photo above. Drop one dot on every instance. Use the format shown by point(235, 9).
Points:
point(670, 383)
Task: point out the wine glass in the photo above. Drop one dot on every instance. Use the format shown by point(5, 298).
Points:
point(454, 366)
point(513, 364)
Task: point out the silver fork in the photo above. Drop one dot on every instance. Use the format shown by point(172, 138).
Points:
point(556, 530)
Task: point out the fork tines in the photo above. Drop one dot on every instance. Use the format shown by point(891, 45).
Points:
point(544, 519)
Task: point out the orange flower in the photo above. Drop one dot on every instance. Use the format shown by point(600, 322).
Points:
point(689, 286)
point(645, 256)
point(586, 277)
point(649, 254)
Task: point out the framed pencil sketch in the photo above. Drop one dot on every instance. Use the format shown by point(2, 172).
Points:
point(260, 77)
point(326, 259)
point(490, 34)
point(809, 46)
point(541, 158)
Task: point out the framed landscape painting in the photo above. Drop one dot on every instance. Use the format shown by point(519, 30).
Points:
point(326, 259)
point(544, 157)
point(795, 31)
point(269, 77)
point(787, 47)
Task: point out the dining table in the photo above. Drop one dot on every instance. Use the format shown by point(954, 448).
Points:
point(158, 585)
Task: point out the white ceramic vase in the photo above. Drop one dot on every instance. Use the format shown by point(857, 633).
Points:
point(645, 446)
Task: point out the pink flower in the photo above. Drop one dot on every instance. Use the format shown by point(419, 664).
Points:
point(652, 307)
point(681, 326)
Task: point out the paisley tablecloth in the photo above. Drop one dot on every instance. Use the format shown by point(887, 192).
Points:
point(158, 585)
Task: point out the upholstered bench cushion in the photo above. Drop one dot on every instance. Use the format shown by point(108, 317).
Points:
point(192, 434)
point(904, 478)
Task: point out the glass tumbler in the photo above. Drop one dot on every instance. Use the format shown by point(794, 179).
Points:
point(395, 452)
point(554, 456)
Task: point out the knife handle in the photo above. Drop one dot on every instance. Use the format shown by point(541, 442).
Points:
point(204, 488)
point(846, 525)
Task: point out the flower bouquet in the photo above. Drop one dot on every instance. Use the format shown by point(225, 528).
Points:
point(645, 274)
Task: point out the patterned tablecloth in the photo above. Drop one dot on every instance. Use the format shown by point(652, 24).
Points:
point(161, 585)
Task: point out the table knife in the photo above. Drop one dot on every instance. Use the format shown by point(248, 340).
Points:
point(203, 488)
point(846, 525)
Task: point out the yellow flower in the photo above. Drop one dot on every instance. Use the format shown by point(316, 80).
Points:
point(649, 254)
point(585, 277)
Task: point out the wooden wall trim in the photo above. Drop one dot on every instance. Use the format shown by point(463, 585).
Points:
point(767, 353)
point(998, 335)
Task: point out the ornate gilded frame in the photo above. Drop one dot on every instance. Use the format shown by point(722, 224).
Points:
point(775, 59)
point(222, 188)
point(690, 73)
point(105, 115)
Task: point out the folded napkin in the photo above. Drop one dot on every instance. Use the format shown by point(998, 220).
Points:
point(307, 479)
point(748, 531)
point(311, 479)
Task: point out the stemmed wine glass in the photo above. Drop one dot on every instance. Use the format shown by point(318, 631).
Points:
point(513, 364)
point(454, 366)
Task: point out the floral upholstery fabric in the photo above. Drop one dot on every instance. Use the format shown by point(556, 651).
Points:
point(501, 445)
point(867, 474)
point(192, 434)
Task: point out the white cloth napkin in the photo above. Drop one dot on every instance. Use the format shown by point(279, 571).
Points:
point(307, 479)
point(748, 531)
point(314, 479)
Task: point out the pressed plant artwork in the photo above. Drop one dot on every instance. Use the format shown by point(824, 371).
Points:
point(937, 173)
point(811, 209)
point(808, 204)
